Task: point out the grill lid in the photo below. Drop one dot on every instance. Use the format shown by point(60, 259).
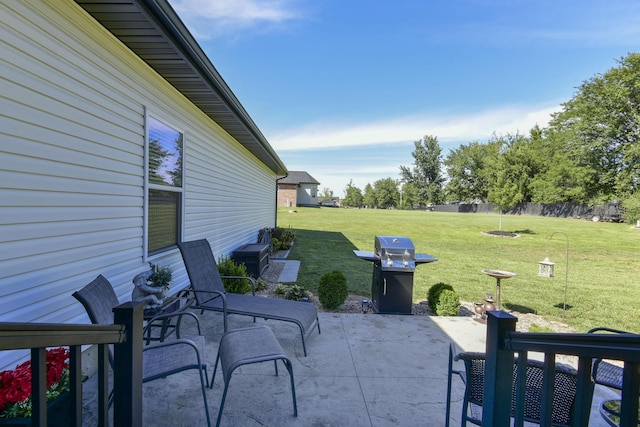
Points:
point(395, 252)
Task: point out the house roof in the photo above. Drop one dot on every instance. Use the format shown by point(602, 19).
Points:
point(154, 32)
point(298, 177)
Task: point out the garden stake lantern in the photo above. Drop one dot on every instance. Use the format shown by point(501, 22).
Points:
point(548, 264)
point(546, 268)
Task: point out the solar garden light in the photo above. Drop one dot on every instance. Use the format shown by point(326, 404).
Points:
point(365, 306)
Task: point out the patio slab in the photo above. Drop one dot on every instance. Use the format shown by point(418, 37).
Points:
point(363, 370)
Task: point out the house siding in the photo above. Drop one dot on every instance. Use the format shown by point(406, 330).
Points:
point(72, 122)
point(306, 195)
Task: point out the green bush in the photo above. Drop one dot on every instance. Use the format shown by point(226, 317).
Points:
point(293, 292)
point(228, 267)
point(333, 290)
point(296, 292)
point(448, 303)
point(631, 208)
point(434, 294)
point(282, 238)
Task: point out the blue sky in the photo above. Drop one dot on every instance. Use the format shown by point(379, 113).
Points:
point(342, 88)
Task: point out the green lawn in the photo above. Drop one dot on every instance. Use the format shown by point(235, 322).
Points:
point(604, 259)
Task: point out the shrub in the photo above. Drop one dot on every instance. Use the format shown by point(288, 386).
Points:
point(448, 303)
point(332, 290)
point(228, 267)
point(434, 294)
point(280, 289)
point(296, 292)
point(631, 208)
point(282, 239)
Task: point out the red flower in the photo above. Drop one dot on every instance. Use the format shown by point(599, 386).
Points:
point(15, 385)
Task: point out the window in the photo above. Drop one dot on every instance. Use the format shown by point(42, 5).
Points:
point(164, 186)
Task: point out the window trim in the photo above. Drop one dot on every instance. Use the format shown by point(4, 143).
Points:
point(151, 186)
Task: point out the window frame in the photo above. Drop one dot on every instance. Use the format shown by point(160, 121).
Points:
point(149, 186)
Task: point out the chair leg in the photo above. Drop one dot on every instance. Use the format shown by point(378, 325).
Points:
point(449, 373)
point(224, 396)
point(289, 366)
point(215, 368)
point(204, 394)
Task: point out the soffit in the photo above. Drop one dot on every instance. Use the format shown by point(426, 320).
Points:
point(154, 32)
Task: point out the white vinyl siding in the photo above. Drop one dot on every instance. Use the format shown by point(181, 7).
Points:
point(72, 165)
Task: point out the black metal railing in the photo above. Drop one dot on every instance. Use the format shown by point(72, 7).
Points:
point(503, 342)
point(126, 336)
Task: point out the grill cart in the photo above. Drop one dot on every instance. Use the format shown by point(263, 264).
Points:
point(394, 262)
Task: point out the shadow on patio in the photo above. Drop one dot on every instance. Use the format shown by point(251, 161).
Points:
point(363, 370)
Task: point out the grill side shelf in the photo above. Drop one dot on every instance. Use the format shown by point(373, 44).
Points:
point(424, 258)
point(367, 256)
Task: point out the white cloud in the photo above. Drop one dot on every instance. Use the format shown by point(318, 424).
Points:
point(446, 127)
point(208, 19)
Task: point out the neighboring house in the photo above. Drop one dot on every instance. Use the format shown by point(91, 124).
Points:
point(119, 138)
point(298, 188)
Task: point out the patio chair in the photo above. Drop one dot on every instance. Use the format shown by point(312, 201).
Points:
point(158, 360)
point(473, 377)
point(209, 293)
point(603, 372)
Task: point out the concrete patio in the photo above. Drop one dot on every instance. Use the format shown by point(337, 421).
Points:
point(362, 370)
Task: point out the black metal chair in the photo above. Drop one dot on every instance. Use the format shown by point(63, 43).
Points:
point(207, 286)
point(565, 390)
point(158, 360)
point(607, 373)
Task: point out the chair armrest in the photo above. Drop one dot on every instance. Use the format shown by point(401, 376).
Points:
point(217, 293)
point(179, 314)
point(604, 329)
point(250, 279)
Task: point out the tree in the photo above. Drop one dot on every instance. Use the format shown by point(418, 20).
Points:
point(369, 197)
point(386, 193)
point(509, 174)
point(600, 128)
point(426, 174)
point(467, 168)
point(408, 196)
point(326, 193)
point(352, 196)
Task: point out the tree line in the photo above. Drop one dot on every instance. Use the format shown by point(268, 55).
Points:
point(589, 154)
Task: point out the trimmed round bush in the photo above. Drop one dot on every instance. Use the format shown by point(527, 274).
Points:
point(448, 303)
point(228, 267)
point(332, 290)
point(434, 294)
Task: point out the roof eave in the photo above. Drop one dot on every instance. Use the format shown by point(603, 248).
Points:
point(197, 78)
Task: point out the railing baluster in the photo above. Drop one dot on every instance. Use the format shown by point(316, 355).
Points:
point(584, 389)
point(103, 385)
point(521, 388)
point(39, 386)
point(75, 384)
point(548, 387)
point(630, 386)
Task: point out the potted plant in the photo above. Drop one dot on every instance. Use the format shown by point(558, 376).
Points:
point(15, 391)
point(151, 287)
point(161, 278)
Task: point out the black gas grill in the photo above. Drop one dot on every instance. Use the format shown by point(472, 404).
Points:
point(394, 262)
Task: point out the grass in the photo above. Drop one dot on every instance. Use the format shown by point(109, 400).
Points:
point(604, 268)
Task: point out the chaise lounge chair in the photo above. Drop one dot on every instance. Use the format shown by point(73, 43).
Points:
point(207, 286)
